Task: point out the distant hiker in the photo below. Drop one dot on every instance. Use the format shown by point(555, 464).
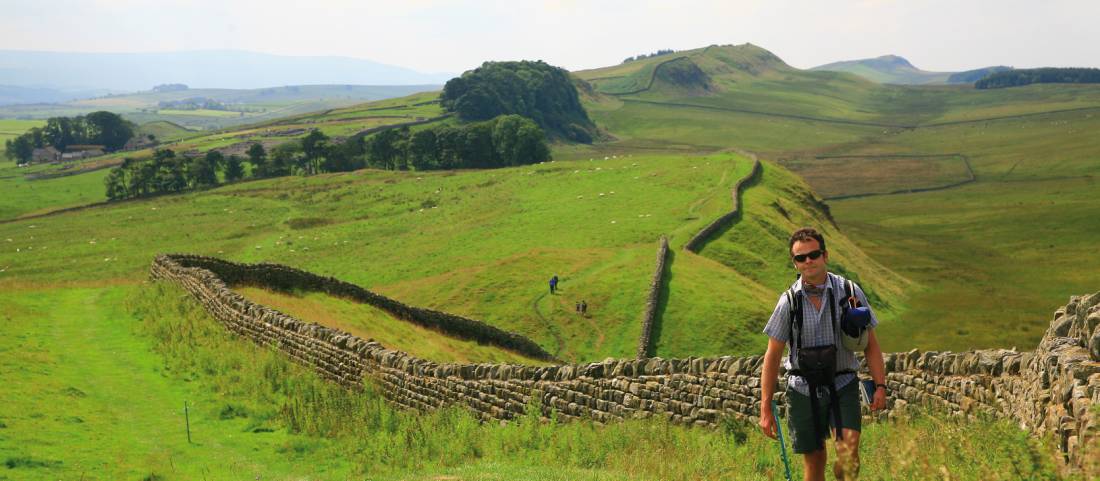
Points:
point(584, 307)
point(825, 313)
point(578, 308)
point(553, 284)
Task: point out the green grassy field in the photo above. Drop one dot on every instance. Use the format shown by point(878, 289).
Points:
point(368, 322)
point(96, 379)
point(978, 265)
point(477, 243)
point(10, 129)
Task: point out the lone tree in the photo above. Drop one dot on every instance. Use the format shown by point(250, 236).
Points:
point(257, 156)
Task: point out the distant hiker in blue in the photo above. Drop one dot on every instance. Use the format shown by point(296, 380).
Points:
point(553, 284)
point(826, 320)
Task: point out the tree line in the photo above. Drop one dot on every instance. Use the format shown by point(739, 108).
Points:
point(506, 140)
point(536, 90)
point(642, 56)
point(1019, 77)
point(97, 128)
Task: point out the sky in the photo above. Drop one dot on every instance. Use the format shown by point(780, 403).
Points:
point(456, 35)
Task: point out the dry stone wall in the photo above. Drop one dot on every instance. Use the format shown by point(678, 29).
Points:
point(697, 242)
point(285, 278)
point(1053, 389)
point(654, 297)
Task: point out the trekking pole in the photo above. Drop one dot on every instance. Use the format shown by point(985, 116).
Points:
point(782, 445)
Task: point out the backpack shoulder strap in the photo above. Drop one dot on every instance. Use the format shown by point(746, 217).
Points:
point(794, 308)
point(850, 291)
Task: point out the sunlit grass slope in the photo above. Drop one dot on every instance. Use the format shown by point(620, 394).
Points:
point(28, 197)
point(368, 322)
point(477, 243)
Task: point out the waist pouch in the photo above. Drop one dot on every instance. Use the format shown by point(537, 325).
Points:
point(817, 365)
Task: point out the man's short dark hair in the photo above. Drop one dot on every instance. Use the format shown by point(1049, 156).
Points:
point(805, 234)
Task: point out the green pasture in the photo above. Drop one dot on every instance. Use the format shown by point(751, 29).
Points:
point(648, 126)
point(164, 131)
point(29, 197)
point(368, 322)
point(10, 129)
point(880, 174)
point(995, 256)
point(477, 243)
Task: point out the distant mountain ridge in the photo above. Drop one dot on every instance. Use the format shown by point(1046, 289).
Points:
point(235, 69)
point(895, 69)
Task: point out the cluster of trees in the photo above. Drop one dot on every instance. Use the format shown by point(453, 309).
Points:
point(1015, 78)
point(644, 56)
point(167, 172)
point(503, 141)
point(535, 90)
point(98, 128)
point(506, 140)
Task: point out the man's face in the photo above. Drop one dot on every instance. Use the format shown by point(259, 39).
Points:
point(811, 269)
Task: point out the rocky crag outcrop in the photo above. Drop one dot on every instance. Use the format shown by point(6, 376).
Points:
point(1053, 389)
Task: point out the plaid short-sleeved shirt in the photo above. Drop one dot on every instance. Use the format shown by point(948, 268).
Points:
point(816, 330)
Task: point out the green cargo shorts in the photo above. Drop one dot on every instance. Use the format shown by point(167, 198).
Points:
point(800, 424)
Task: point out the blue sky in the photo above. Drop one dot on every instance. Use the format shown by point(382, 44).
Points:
point(454, 35)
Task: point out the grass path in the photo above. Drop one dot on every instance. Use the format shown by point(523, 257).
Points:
point(86, 398)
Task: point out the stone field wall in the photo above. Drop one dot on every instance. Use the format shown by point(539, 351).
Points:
point(652, 299)
point(1049, 390)
point(700, 238)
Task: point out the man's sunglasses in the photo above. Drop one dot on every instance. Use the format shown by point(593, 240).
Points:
point(812, 255)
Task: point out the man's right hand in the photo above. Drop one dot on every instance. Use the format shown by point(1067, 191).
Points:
point(767, 422)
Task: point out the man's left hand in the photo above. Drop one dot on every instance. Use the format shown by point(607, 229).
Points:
point(879, 402)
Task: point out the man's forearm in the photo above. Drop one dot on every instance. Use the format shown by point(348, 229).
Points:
point(768, 376)
point(875, 362)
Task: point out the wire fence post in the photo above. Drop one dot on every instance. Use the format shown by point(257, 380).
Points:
point(187, 420)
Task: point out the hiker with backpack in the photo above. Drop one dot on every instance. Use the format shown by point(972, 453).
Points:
point(826, 320)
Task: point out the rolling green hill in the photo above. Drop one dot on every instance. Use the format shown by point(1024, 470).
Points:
point(977, 258)
point(892, 69)
point(491, 239)
point(990, 160)
point(887, 69)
